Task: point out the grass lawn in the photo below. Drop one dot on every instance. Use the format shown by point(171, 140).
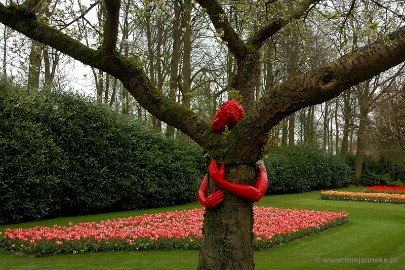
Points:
point(374, 232)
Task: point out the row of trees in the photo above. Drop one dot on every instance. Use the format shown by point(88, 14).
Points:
point(367, 119)
point(179, 60)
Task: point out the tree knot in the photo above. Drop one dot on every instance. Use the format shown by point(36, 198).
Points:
point(327, 80)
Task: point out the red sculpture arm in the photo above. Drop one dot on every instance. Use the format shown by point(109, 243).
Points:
point(247, 192)
point(215, 198)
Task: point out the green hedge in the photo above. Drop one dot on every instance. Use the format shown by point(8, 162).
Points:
point(62, 154)
point(294, 169)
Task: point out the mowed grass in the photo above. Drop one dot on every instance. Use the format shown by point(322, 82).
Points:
point(374, 231)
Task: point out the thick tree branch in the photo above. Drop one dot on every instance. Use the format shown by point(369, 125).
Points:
point(32, 4)
point(128, 70)
point(276, 24)
point(329, 81)
point(111, 25)
point(320, 85)
point(220, 21)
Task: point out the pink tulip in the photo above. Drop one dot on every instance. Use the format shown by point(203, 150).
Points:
point(181, 226)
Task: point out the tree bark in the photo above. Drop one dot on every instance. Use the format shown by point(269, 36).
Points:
point(347, 120)
point(228, 237)
point(284, 131)
point(35, 60)
point(291, 129)
point(361, 135)
point(325, 141)
point(5, 38)
point(246, 77)
point(187, 46)
point(174, 62)
point(50, 66)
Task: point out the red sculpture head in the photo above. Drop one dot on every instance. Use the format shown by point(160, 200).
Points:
point(228, 115)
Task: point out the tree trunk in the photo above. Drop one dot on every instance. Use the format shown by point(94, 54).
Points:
point(358, 166)
point(100, 85)
point(174, 62)
point(310, 126)
point(107, 88)
point(245, 79)
point(187, 47)
point(154, 69)
point(50, 66)
point(346, 123)
point(331, 134)
point(325, 143)
point(228, 229)
point(291, 129)
point(114, 92)
point(361, 139)
point(125, 101)
point(337, 130)
point(34, 65)
point(269, 84)
point(284, 132)
point(5, 38)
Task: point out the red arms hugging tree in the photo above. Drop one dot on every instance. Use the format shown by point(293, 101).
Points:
point(227, 116)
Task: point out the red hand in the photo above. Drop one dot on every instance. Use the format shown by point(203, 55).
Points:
point(215, 198)
point(247, 192)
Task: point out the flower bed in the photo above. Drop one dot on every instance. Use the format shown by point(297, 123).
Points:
point(363, 196)
point(171, 230)
point(385, 189)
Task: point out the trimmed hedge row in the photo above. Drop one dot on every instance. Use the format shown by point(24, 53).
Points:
point(62, 154)
point(293, 169)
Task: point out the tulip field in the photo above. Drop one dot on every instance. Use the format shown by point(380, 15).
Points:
point(380, 197)
point(385, 189)
point(374, 230)
point(167, 230)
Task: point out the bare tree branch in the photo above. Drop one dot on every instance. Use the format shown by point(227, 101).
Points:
point(111, 25)
point(321, 85)
point(276, 24)
point(329, 81)
point(81, 15)
point(401, 16)
point(349, 13)
point(220, 21)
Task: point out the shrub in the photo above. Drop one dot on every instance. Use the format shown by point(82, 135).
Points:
point(63, 154)
point(378, 171)
point(304, 168)
point(372, 179)
point(397, 183)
